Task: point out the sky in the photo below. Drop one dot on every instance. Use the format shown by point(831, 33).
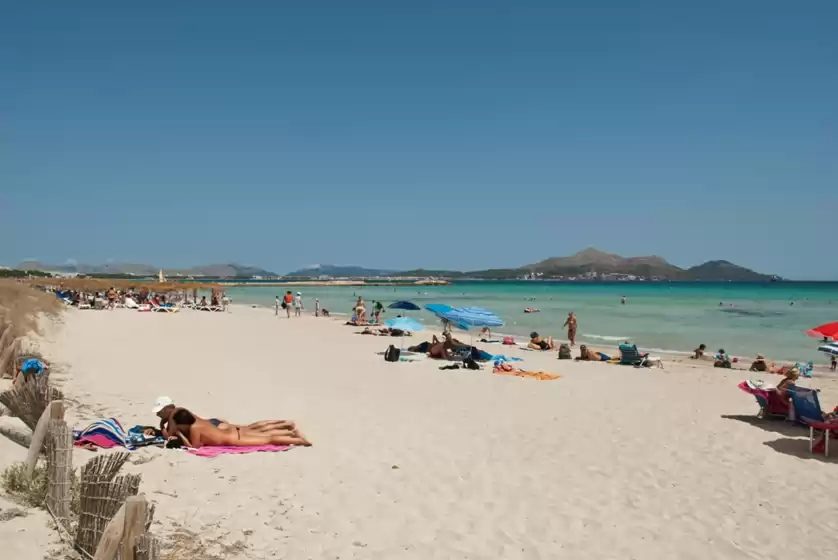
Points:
point(436, 134)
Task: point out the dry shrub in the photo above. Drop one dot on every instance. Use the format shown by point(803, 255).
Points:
point(22, 305)
point(184, 544)
point(33, 491)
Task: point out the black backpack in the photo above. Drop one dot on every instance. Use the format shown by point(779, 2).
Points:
point(392, 354)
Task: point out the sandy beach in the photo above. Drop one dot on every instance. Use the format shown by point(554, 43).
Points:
point(412, 462)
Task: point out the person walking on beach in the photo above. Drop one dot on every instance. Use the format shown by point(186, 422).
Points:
point(570, 323)
point(298, 304)
point(378, 307)
point(316, 307)
point(276, 308)
point(287, 302)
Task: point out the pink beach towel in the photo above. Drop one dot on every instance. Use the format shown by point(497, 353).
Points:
point(216, 450)
point(98, 440)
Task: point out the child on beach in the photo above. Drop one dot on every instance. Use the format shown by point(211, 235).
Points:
point(298, 304)
point(833, 364)
point(276, 308)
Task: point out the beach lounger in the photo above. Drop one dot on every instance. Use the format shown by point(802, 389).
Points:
point(769, 400)
point(805, 406)
point(827, 428)
point(631, 356)
point(164, 308)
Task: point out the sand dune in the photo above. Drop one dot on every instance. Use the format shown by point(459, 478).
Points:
point(413, 462)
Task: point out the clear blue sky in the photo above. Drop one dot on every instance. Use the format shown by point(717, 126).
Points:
point(445, 134)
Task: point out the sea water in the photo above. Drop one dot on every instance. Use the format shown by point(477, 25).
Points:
point(743, 318)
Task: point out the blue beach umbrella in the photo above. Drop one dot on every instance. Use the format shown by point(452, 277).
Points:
point(440, 309)
point(473, 316)
point(406, 305)
point(831, 348)
point(405, 324)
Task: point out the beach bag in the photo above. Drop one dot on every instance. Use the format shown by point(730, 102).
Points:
point(564, 352)
point(509, 341)
point(392, 354)
point(284, 305)
point(470, 364)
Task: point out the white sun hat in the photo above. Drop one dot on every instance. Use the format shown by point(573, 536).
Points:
point(161, 403)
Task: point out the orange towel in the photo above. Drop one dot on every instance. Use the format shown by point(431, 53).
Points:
point(540, 375)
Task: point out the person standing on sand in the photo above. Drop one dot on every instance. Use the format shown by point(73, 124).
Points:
point(570, 323)
point(360, 310)
point(316, 307)
point(287, 302)
point(298, 304)
point(276, 307)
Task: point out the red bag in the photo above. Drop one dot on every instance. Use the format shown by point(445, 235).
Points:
point(509, 341)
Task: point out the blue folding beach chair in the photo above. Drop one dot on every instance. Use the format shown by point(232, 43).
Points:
point(631, 356)
point(807, 407)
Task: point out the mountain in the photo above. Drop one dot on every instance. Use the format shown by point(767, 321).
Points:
point(724, 270)
point(338, 271)
point(130, 269)
point(593, 260)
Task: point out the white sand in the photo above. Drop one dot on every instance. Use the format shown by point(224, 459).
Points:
point(413, 462)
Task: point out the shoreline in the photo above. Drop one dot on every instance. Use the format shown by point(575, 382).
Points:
point(742, 364)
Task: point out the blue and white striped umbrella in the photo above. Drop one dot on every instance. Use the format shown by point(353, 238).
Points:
point(473, 316)
point(829, 348)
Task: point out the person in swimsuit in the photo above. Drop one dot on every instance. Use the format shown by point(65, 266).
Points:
point(197, 433)
point(360, 310)
point(587, 355)
point(538, 343)
point(571, 328)
point(171, 415)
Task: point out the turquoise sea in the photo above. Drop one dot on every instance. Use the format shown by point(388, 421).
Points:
point(752, 318)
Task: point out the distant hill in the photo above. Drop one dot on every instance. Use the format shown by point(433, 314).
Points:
point(724, 270)
point(130, 269)
point(338, 271)
point(580, 264)
point(593, 260)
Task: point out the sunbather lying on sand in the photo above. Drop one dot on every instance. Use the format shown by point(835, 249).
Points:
point(588, 355)
point(198, 433)
point(538, 343)
point(171, 415)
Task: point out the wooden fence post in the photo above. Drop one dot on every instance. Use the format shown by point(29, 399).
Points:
point(8, 356)
point(59, 470)
point(109, 543)
point(136, 511)
point(53, 411)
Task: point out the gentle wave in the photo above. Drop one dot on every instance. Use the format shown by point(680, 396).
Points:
point(607, 338)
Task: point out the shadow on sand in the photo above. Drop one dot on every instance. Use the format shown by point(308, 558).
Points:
point(775, 425)
point(800, 448)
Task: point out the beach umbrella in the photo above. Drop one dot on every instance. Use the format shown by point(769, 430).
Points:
point(406, 305)
point(829, 330)
point(440, 309)
point(473, 316)
point(831, 349)
point(405, 324)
